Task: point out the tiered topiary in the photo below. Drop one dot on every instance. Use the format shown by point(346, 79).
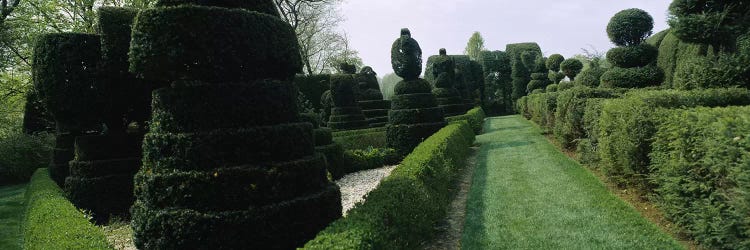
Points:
point(414, 113)
point(226, 162)
point(442, 69)
point(101, 174)
point(520, 74)
point(325, 145)
point(370, 99)
point(65, 75)
point(345, 113)
point(469, 78)
point(539, 73)
point(553, 64)
point(634, 62)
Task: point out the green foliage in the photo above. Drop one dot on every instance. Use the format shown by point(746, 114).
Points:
point(554, 61)
point(361, 139)
point(115, 25)
point(475, 46)
point(571, 67)
point(21, 154)
point(588, 148)
point(342, 90)
point(262, 6)
point(591, 77)
point(313, 86)
point(551, 88)
point(405, 208)
point(164, 46)
point(388, 85)
point(638, 55)
point(637, 77)
point(52, 222)
point(673, 52)
point(569, 113)
point(565, 85)
point(655, 39)
point(627, 127)
point(541, 109)
point(630, 27)
point(717, 23)
point(520, 74)
point(726, 70)
point(413, 117)
point(475, 118)
point(699, 163)
point(406, 56)
point(556, 77)
point(369, 158)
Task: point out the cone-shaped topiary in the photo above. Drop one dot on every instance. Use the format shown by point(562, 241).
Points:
point(414, 113)
point(634, 62)
point(370, 99)
point(226, 162)
point(442, 69)
point(345, 113)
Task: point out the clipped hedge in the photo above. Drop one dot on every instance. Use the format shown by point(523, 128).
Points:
point(699, 163)
point(165, 45)
point(636, 77)
point(571, 104)
point(52, 222)
point(362, 140)
point(369, 158)
point(313, 87)
point(632, 56)
point(627, 127)
point(541, 109)
point(520, 74)
point(588, 147)
point(475, 118)
point(263, 6)
point(673, 52)
point(407, 206)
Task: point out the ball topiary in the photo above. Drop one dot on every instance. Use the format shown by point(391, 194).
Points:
point(632, 56)
point(630, 27)
point(406, 56)
point(571, 67)
point(554, 61)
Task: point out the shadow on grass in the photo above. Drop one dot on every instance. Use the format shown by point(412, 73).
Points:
point(11, 211)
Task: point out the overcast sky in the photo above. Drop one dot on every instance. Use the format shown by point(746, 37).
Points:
point(558, 26)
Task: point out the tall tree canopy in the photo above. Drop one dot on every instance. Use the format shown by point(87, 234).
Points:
point(475, 46)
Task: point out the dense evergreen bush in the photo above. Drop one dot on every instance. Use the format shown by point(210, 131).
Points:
point(164, 46)
point(21, 154)
point(571, 67)
point(520, 74)
point(630, 27)
point(716, 23)
point(637, 77)
point(656, 39)
point(345, 113)
point(35, 116)
point(699, 164)
point(554, 61)
point(313, 87)
point(475, 119)
point(266, 7)
point(591, 76)
point(632, 56)
point(406, 56)
point(673, 52)
point(497, 82)
point(370, 99)
point(369, 158)
point(405, 208)
point(551, 88)
point(627, 127)
point(541, 109)
point(588, 148)
point(443, 70)
point(569, 113)
point(565, 85)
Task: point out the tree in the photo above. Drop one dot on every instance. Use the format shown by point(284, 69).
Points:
point(717, 23)
point(475, 46)
point(322, 47)
point(630, 27)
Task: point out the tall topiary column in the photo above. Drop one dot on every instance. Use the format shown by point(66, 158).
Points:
point(101, 173)
point(539, 73)
point(370, 99)
point(65, 75)
point(414, 113)
point(520, 74)
point(442, 70)
point(227, 163)
point(345, 113)
point(634, 60)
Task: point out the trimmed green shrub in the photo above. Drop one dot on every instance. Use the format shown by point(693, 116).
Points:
point(406, 207)
point(262, 6)
point(591, 77)
point(699, 163)
point(370, 99)
point(541, 109)
point(357, 132)
point(569, 113)
point(406, 56)
point(673, 52)
point(554, 61)
point(655, 39)
point(588, 148)
point(565, 85)
point(35, 116)
point(369, 158)
point(551, 88)
point(716, 23)
point(441, 69)
point(627, 127)
point(115, 26)
point(637, 77)
point(21, 154)
point(520, 74)
point(364, 139)
point(630, 27)
point(726, 70)
point(52, 222)
point(632, 56)
point(475, 118)
point(571, 67)
point(165, 46)
point(497, 82)
point(313, 87)
point(65, 71)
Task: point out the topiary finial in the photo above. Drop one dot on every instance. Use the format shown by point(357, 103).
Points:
point(443, 52)
point(406, 56)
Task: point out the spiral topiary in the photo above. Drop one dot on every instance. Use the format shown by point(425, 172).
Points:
point(226, 162)
point(414, 113)
point(345, 113)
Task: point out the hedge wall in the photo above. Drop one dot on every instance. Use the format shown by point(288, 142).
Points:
point(520, 74)
point(655, 39)
point(475, 118)
point(407, 206)
point(263, 6)
point(699, 163)
point(570, 109)
point(52, 222)
point(627, 127)
point(313, 87)
point(672, 52)
point(541, 109)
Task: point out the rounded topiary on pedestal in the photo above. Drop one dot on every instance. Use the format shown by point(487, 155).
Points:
point(65, 76)
point(226, 162)
point(553, 64)
point(345, 113)
point(634, 61)
point(539, 73)
point(442, 68)
point(370, 99)
point(414, 113)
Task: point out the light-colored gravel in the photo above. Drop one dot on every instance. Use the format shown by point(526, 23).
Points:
point(355, 186)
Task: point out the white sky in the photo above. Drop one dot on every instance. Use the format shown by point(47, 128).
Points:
point(558, 26)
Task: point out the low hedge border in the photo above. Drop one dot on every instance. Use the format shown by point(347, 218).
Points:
point(405, 208)
point(52, 222)
point(362, 141)
point(475, 118)
point(357, 132)
point(570, 110)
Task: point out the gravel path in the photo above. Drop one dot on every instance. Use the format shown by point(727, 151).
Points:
point(356, 185)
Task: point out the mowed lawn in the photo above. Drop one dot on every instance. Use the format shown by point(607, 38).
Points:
point(526, 194)
point(11, 211)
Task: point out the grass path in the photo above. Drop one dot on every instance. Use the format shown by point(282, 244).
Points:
point(11, 212)
point(526, 194)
